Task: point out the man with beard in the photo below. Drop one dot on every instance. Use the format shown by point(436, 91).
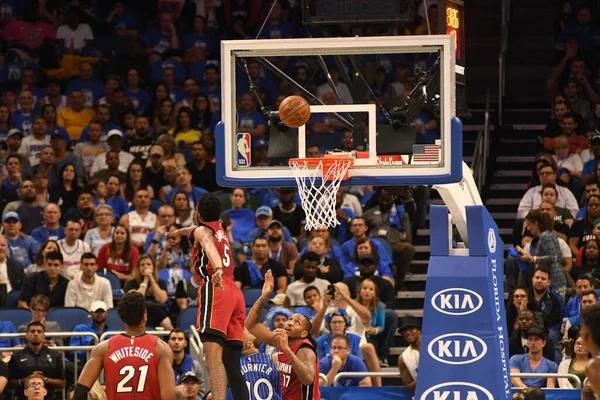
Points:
point(184, 363)
point(183, 181)
point(408, 361)
point(517, 344)
point(87, 286)
point(310, 265)
point(387, 221)
point(99, 312)
point(545, 299)
point(82, 212)
point(14, 140)
point(139, 144)
point(297, 360)
point(252, 271)
point(281, 251)
point(36, 358)
point(29, 209)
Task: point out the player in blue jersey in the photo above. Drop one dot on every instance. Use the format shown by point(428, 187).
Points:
point(259, 371)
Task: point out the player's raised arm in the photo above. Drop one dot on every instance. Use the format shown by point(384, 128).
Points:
point(182, 231)
point(91, 371)
point(206, 239)
point(166, 379)
point(253, 319)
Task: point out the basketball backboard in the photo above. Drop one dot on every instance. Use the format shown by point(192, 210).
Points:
point(395, 138)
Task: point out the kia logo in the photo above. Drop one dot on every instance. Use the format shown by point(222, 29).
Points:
point(457, 301)
point(457, 391)
point(457, 348)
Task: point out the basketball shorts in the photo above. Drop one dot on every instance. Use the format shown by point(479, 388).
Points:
point(221, 312)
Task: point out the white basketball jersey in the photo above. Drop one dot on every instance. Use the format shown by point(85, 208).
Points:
point(141, 227)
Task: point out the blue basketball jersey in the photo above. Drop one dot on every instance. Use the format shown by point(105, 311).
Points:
point(261, 376)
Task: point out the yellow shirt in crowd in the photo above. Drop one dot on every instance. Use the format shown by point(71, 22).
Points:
point(188, 137)
point(75, 122)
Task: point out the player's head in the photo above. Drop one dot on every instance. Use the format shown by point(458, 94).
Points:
point(298, 326)
point(132, 309)
point(208, 208)
point(590, 331)
point(250, 343)
point(535, 394)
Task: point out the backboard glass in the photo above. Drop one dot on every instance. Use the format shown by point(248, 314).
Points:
point(393, 104)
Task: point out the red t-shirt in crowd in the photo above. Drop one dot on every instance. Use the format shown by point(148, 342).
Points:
point(114, 262)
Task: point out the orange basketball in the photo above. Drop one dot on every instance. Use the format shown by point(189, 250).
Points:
point(294, 111)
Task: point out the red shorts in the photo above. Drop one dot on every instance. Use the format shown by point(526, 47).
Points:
point(221, 312)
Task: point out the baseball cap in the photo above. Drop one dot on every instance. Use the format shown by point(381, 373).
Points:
point(11, 215)
point(157, 150)
point(186, 376)
point(368, 258)
point(264, 210)
point(14, 131)
point(536, 331)
point(114, 132)
point(274, 222)
point(98, 305)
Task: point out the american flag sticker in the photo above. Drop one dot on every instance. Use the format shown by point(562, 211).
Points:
point(426, 154)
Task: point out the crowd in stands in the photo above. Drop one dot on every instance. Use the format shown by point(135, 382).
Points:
point(107, 121)
point(552, 270)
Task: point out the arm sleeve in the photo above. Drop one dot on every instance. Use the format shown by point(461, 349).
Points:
point(525, 204)
point(515, 362)
point(135, 254)
point(380, 316)
point(71, 296)
point(107, 295)
point(570, 202)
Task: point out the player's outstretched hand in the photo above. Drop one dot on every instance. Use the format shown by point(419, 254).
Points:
point(218, 278)
point(180, 232)
point(269, 285)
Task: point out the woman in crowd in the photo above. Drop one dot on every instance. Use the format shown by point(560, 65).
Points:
point(40, 258)
point(113, 198)
point(206, 119)
point(243, 218)
point(578, 357)
point(185, 132)
point(119, 256)
point(368, 297)
point(582, 230)
point(174, 259)
point(145, 281)
point(183, 212)
point(136, 179)
point(5, 121)
point(590, 260)
point(161, 93)
point(171, 156)
point(209, 146)
point(165, 118)
point(518, 301)
point(67, 191)
point(102, 233)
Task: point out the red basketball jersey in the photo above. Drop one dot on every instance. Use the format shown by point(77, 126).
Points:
point(130, 368)
point(291, 386)
point(200, 260)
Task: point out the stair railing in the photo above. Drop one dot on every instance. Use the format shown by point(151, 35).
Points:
point(482, 145)
point(505, 18)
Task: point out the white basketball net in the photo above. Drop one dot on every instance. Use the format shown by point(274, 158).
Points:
point(318, 183)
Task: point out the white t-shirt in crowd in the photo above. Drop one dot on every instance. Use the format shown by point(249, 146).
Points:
point(72, 255)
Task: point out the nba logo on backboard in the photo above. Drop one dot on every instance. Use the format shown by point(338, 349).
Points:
point(243, 147)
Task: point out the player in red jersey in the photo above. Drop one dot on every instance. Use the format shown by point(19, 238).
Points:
point(297, 359)
point(221, 306)
point(137, 366)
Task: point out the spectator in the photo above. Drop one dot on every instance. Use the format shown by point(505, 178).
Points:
point(155, 172)
point(376, 333)
point(91, 89)
point(183, 363)
point(118, 255)
point(544, 298)
point(76, 36)
point(98, 310)
point(337, 324)
point(578, 357)
point(193, 386)
point(102, 233)
point(51, 230)
point(589, 167)
point(517, 343)
point(118, 204)
point(340, 360)
point(361, 247)
point(39, 306)
point(186, 294)
point(35, 387)
point(66, 192)
point(367, 267)
point(312, 299)
point(206, 119)
point(590, 258)
point(22, 249)
point(135, 180)
point(157, 238)
point(29, 209)
point(23, 118)
point(77, 116)
point(183, 211)
point(184, 184)
point(533, 361)
point(532, 198)
point(252, 271)
point(49, 115)
point(264, 216)
point(568, 160)
point(11, 184)
point(310, 265)
point(89, 150)
point(145, 281)
point(170, 157)
point(40, 258)
point(184, 131)
point(159, 40)
point(36, 141)
point(588, 299)
point(73, 248)
point(573, 307)
point(12, 274)
point(140, 143)
point(53, 103)
point(114, 139)
point(37, 357)
point(141, 221)
point(518, 301)
point(164, 118)
point(408, 361)
point(582, 230)
point(289, 214)
point(281, 251)
point(174, 260)
point(329, 268)
point(86, 286)
point(112, 167)
point(49, 282)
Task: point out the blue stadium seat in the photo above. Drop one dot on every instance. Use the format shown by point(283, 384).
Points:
point(113, 321)
point(115, 282)
point(18, 316)
point(188, 318)
point(12, 299)
point(251, 296)
point(68, 317)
